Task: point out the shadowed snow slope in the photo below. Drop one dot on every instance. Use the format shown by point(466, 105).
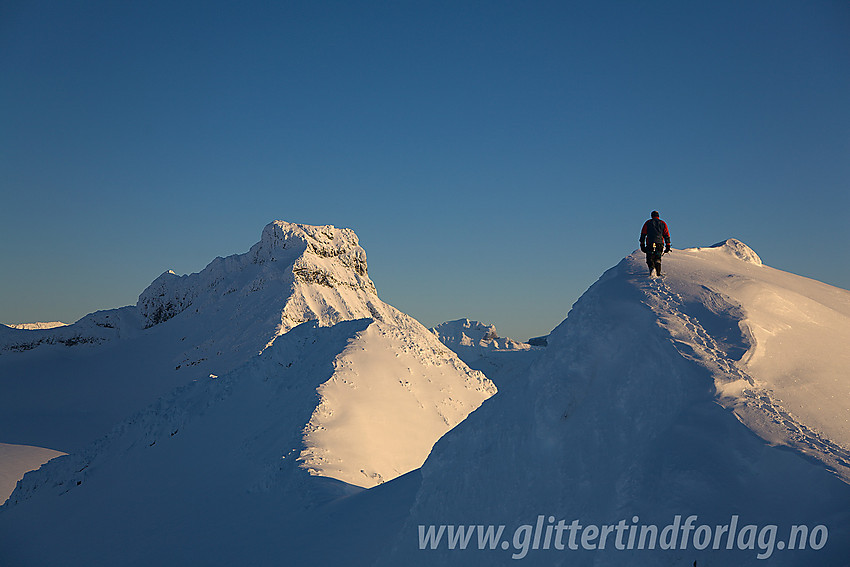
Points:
point(619, 420)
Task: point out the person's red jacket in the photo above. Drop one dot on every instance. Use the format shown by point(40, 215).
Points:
point(655, 230)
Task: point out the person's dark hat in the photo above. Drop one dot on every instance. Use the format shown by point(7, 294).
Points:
point(654, 214)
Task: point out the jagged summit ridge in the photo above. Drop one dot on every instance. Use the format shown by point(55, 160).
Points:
point(323, 241)
point(290, 261)
point(468, 333)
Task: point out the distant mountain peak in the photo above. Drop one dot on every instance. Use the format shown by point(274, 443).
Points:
point(38, 325)
point(309, 272)
point(466, 333)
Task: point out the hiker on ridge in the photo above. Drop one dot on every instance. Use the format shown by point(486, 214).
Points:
point(654, 241)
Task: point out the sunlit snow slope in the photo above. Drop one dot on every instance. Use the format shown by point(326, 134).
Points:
point(16, 460)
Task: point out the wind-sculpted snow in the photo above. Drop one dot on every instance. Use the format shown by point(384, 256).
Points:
point(776, 345)
point(631, 413)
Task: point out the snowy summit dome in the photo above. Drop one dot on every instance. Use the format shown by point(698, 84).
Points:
point(734, 248)
point(739, 250)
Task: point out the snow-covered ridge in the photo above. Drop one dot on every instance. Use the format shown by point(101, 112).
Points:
point(617, 419)
point(17, 460)
point(619, 416)
point(93, 329)
point(395, 390)
point(37, 326)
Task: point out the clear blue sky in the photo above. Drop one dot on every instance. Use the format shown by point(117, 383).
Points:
point(494, 157)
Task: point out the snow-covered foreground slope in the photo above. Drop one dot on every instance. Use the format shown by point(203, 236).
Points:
point(776, 344)
point(620, 422)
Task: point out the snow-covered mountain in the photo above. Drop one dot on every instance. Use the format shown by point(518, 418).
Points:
point(642, 408)
point(480, 347)
point(710, 405)
point(388, 392)
point(466, 333)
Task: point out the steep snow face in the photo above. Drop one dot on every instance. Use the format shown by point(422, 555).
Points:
point(619, 420)
point(394, 392)
point(18, 460)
